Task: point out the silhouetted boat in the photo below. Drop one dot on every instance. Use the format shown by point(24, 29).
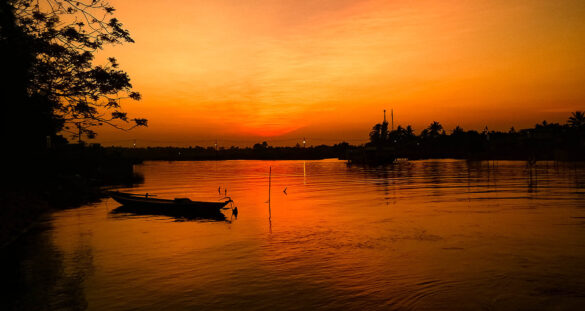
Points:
point(176, 206)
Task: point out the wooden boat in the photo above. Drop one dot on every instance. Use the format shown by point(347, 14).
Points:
point(176, 206)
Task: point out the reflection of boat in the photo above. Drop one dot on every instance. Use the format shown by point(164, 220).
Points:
point(176, 207)
point(129, 211)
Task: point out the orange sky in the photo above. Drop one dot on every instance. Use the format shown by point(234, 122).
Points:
point(246, 71)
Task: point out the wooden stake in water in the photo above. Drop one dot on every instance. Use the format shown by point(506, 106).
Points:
point(269, 185)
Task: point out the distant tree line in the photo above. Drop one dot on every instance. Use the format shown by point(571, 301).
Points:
point(544, 141)
point(259, 151)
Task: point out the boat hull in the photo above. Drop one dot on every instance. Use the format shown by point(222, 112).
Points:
point(170, 207)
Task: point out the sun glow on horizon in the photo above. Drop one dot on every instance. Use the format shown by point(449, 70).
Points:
point(293, 68)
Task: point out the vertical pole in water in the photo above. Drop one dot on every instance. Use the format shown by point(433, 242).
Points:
point(269, 210)
point(304, 172)
point(535, 174)
point(269, 185)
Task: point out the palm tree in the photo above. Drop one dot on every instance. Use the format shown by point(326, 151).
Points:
point(435, 128)
point(396, 135)
point(384, 131)
point(458, 130)
point(577, 119)
point(409, 131)
point(375, 134)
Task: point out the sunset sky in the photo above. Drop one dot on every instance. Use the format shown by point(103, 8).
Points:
point(247, 71)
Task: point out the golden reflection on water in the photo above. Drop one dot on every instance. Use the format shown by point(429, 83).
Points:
point(423, 235)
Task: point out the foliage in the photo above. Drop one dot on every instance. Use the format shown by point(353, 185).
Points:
point(577, 119)
point(62, 37)
point(379, 133)
point(544, 141)
point(262, 146)
point(435, 128)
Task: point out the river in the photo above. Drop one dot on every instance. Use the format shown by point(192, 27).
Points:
point(421, 235)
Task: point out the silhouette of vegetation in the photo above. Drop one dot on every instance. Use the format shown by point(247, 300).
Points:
point(546, 141)
point(259, 151)
point(55, 87)
point(577, 119)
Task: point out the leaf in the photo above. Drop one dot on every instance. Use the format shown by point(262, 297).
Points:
point(135, 96)
point(140, 122)
point(120, 115)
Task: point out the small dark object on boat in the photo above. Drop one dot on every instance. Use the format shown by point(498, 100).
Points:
point(235, 211)
point(177, 206)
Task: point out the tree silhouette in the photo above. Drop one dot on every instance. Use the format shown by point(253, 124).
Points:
point(376, 133)
point(261, 146)
point(62, 38)
point(435, 128)
point(409, 131)
point(577, 119)
point(458, 131)
point(384, 132)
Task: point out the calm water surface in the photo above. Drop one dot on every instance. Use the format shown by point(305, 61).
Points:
point(439, 234)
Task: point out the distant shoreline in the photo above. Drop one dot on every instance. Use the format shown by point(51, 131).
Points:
point(351, 154)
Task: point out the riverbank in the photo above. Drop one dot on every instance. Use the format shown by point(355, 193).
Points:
point(23, 208)
point(373, 156)
point(20, 211)
point(54, 180)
